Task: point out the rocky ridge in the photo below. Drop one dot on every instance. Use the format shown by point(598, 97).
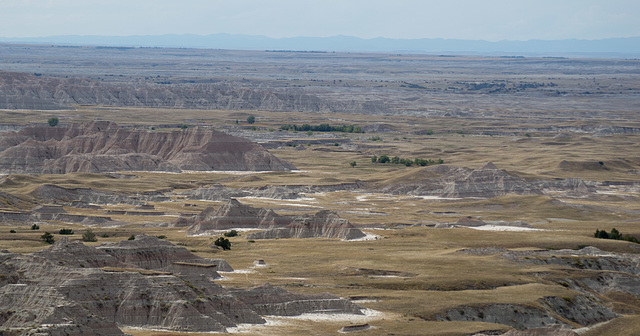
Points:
point(605, 283)
point(456, 182)
point(485, 182)
point(28, 91)
point(565, 312)
point(73, 289)
point(235, 215)
point(102, 146)
point(324, 223)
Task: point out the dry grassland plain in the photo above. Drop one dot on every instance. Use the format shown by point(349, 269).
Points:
point(412, 271)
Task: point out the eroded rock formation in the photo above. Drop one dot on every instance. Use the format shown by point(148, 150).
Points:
point(324, 223)
point(27, 91)
point(102, 146)
point(83, 197)
point(73, 289)
point(486, 182)
point(456, 182)
point(235, 215)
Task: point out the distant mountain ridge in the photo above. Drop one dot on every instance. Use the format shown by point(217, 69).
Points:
point(627, 47)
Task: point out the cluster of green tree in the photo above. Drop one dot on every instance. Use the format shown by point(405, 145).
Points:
point(407, 162)
point(223, 242)
point(615, 234)
point(323, 128)
point(87, 236)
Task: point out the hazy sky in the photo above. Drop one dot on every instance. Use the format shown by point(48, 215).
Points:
point(491, 20)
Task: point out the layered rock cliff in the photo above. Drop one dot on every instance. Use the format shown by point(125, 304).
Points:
point(235, 215)
point(323, 224)
point(73, 289)
point(28, 91)
point(456, 182)
point(102, 146)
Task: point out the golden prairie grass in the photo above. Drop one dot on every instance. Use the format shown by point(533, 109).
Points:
point(425, 272)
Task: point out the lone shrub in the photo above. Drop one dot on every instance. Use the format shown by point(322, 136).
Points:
point(89, 236)
point(223, 242)
point(35, 227)
point(47, 238)
point(251, 119)
point(65, 231)
point(353, 163)
point(53, 121)
point(132, 237)
point(232, 233)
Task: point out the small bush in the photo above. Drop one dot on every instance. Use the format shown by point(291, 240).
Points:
point(223, 242)
point(89, 236)
point(232, 233)
point(132, 237)
point(65, 232)
point(35, 227)
point(53, 121)
point(251, 119)
point(12, 231)
point(47, 238)
point(161, 237)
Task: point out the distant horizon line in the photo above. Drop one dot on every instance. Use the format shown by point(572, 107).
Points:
point(619, 47)
point(318, 37)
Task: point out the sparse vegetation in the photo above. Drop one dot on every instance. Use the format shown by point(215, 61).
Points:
point(232, 233)
point(616, 235)
point(65, 232)
point(53, 121)
point(429, 260)
point(35, 227)
point(251, 119)
point(407, 162)
point(132, 237)
point(222, 242)
point(89, 236)
point(322, 128)
point(47, 238)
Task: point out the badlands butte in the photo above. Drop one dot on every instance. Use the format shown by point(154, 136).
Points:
point(198, 191)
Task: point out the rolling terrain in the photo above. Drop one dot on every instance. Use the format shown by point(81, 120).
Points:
point(524, 159)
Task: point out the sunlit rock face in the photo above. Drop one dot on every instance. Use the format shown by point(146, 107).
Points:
point(102, 146)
